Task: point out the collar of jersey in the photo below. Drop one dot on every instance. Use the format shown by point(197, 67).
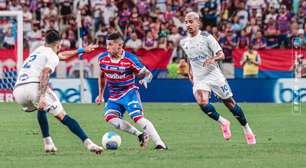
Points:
point(116, 61)
point(196, 35)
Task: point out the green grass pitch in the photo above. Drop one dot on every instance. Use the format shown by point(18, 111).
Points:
point(194, 140)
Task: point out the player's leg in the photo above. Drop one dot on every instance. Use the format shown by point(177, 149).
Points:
point(113, 115)
point(26, 96)
point(55, 108)
point(202, 98)
point(134, 107)
point(223, 90)
point(236, 110)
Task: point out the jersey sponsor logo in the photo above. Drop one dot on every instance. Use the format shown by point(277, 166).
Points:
point(23, 77)
point(115, 76)
point(198, 58)
point(116, 68)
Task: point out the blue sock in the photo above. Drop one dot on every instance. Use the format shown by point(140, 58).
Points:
point(74, 127)
point(43, 123)
point(238, 113)
point(210, 111)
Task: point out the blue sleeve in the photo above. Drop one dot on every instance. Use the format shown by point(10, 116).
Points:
point(137, 65)
point(104, 54)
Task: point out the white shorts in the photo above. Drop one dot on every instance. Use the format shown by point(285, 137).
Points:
point(27, 96)
point(220, 87)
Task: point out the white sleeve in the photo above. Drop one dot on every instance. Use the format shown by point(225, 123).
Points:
point(213, 44)
point(52, 61)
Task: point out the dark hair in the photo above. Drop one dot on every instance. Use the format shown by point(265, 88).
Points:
point(114, 36)
point(52, 36)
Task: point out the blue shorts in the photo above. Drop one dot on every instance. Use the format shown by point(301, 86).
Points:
point(130, 102)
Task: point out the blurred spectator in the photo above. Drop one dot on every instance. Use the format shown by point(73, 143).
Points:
point(109, 11)
point(14, 5)
point(242, 15)
point(209, 13)
point(250, 62)
point(9, 39)
point(228, 42)
point(3, 5)
point(255, 5)
point(272, 14)
point(27, 20)
point(65, 10)
point(134, 42)
point(143, 7)
point(65, 42)
point(271, 33)
point(283, 21)
point(243, 40)
point(35, 37)
point(149, 42)
point(299, 66)
point(162, 43)
point(174, 36)
point(173, 68)
point(259, 42)
point(183, 68)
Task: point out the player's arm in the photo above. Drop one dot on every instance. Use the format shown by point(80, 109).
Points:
point(190, 76)
point(216, 49)
point(102, 84)
point(66, 54)
point(43, 86)
point(147, 77)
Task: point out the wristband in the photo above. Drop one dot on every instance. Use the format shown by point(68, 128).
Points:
point(147, 79)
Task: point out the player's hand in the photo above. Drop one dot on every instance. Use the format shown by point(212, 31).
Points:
point(99, 99)
point(90, 48)
point(42, 103)
point(144, 83)
point(208, 61)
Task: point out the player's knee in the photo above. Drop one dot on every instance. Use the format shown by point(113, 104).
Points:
point(230, 103)
point(114, 121)
point(60, 116)
point(202, 102)
point(108, 118)
point(136, 115)
point(143, 122)
point(109, 115)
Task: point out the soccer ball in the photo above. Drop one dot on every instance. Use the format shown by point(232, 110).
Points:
point(111, 140)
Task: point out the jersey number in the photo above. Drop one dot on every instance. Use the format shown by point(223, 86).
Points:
point(224, 88)
point(28, 63)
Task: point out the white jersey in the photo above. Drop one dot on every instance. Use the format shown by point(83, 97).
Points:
point(208, 78)
point(198, 49)
point(41, 58)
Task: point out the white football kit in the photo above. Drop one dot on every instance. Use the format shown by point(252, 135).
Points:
point(208, 78)
point(26, 90)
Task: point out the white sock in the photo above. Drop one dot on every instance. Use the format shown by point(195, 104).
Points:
point(124, 126)
point(222, 120)
point(247, 128)
point(151, 131)
point(48, 140)
point(88, 143)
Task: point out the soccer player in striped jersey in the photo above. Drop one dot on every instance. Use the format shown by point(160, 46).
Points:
point(118, 71)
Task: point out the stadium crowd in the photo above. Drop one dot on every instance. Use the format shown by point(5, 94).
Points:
point(150, 24)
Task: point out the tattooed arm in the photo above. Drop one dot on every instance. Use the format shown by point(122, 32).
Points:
point(43, 85)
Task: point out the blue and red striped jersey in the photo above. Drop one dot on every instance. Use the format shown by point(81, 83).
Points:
point(120, 75)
